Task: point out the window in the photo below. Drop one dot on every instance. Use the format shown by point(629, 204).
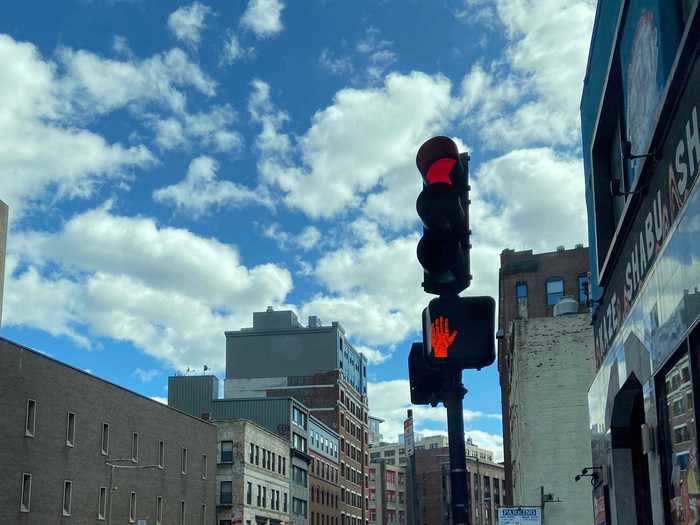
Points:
point(70, 430)
point(264, 501)
point(257, 455)
point(226, 492)
point(102, 504)
point(298, 442)
point(105, 439)
point(134, 447)
point(583, 288)
point(279, 464)
point(67, 496)
point(159, 510)
point(183, 461)
point(555, 290)
point(272, 463)
point(284, 466)
point(298, 417)
point(204, 466)
point(264, 462)
point(251, 457)
point(249, 493)
point(259, 498)
point(521, 290)
point(227, 451)
point(299, 476)
point(161, 454)
point(30, 421)
point(132, 507)
point(182, 513)
point(285, 502)
point(26, 495)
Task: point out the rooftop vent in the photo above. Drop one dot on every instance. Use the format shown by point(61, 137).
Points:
point(560, 248)
point(314, 321)
point(579, 245)
point(567, 305)
point(270, 309)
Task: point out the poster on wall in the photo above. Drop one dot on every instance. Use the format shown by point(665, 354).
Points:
point(519, 516)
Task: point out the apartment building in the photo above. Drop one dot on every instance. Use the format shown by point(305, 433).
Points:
point(395, 453)
point(252, 475)
point(78, 449)
point(324, 486)
point(387, 494)
point(316, 365)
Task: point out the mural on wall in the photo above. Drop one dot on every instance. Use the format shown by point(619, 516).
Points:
point(642, 88)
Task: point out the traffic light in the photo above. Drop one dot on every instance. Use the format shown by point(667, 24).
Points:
point(426, 381)
point(443, 207)
point(458, 332)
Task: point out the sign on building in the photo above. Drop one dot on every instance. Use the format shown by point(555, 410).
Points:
point(408, 436)
point(519, 516)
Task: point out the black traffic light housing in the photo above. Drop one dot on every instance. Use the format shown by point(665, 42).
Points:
point(458, 332)
point(426, 381)
point(443, 207)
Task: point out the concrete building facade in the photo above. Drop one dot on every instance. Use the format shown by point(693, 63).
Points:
point(640, 132)
point(324, 486)
point(375, 435)
point(387, 494)
point(529, 286)
point(252, 475)
point(284, 416)
point(551, 368)
point(68, 437)
point(395, 453)
point(485, 488)
point(315, 364)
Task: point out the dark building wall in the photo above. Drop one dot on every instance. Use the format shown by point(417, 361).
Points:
point(58, 389)
point(192, 394)
point(433, 488)
point(534, 270)
point(253, 353)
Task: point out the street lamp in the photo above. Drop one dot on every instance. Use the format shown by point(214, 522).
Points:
point(112, 466)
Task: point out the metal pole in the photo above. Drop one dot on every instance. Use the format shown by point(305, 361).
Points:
point(542, 502)
point(458, 460)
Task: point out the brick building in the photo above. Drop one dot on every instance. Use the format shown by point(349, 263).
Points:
point(284, 416)
point(324, 487)
point(316, 365)
point(485, 488)
point(68, 437)
point(529, 286)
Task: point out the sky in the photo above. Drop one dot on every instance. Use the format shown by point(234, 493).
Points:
point(172, 167)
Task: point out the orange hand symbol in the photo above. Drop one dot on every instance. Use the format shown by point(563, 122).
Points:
point(441, 337)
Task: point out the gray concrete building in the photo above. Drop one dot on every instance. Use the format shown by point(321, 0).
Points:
point(375, 435)
point(316, 364)
point(551, 367)
point(284, 416)
point(387, 494)
point(69, 437)
point(252, 475)
point(395, 453)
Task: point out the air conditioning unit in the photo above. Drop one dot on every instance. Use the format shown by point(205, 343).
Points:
point(567, 305)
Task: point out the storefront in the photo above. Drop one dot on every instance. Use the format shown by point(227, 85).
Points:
point(643, 399)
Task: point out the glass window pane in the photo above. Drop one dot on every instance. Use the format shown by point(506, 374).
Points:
point(681, 445)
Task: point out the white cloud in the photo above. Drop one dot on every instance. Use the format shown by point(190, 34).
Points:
point(378, 52)
point(374, 356)
point(335, 65)
point(233, 50)
point(116, 273)
point(355, 143)
point(271, 142)
point(263, 17)
point(145, 376)
point(390, 401)
point(100, 85)
point(187, 23)
point(160, 399)
point(543, 66)
point(200, 191)
point(38, 129)
point(305, 240)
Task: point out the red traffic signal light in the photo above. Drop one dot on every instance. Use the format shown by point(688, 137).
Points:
point(459, 332)
point(443, 207)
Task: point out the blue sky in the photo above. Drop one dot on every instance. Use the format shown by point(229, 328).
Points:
point(172, 167)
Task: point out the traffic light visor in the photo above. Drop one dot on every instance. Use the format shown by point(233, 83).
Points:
point(434, 150)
